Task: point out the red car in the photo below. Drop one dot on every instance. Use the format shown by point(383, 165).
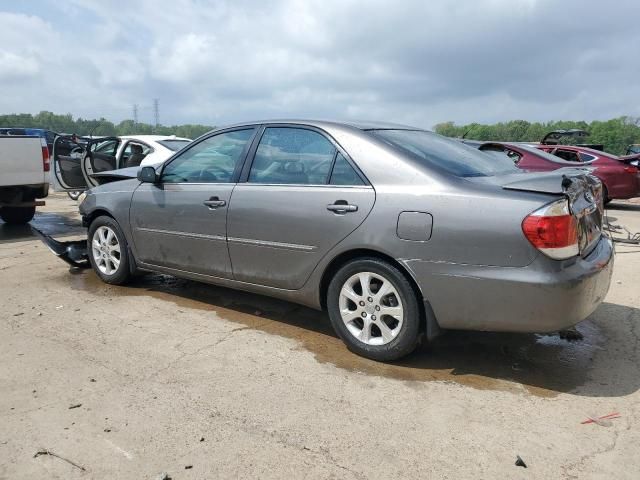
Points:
point(619, 176)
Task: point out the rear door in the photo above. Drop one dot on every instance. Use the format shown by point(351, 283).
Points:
point(297, 199)
point(181, 221)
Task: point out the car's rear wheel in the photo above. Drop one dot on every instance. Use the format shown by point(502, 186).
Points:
point(374, 309)
point(108, 252)
point(17, 215)
point(605, 195)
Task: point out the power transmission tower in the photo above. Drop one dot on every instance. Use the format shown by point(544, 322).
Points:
point(135, 114)
point(156, 112)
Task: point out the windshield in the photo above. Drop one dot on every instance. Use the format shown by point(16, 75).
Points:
point(456, 158)
point(174, 145)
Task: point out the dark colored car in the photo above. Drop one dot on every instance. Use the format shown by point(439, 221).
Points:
point(48, 135)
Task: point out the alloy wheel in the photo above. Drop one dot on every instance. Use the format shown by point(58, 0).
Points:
point(371, 308)
point(105, 248)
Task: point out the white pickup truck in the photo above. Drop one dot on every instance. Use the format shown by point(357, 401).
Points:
point(24, 176)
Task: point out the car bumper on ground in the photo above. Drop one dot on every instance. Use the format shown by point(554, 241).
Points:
point(543, 297)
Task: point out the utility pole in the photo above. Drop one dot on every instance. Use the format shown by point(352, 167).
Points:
point(135, 114)
point(156, 112)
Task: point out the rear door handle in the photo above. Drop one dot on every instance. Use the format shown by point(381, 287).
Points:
point(213, 203)
point(342, 207)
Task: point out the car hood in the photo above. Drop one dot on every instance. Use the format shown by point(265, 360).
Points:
point(119, 174)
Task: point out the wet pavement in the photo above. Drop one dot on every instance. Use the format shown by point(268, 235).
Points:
point(544, 365)
point(162, 363)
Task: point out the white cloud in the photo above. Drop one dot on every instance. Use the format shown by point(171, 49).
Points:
point(411, 61)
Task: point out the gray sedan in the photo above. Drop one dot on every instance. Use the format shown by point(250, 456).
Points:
point(396, 231)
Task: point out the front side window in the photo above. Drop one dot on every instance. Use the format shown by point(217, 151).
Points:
point(213, 160)
point(296, 156)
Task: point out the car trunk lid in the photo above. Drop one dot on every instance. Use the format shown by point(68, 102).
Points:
point(582, 190)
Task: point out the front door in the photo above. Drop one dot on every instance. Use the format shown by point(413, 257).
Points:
point(68, 151)
point(301, 197)
point(181, 221)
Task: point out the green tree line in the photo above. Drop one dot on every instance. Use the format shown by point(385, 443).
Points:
point(98, 127)
point(615, 134)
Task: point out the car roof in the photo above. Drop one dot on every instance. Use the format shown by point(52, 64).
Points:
point(359, 124)
point(153, 138)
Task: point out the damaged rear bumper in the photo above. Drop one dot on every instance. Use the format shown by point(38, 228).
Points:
point(545, 296)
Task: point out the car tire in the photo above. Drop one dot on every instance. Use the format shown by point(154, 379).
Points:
point(605, 195)
point(382, 322)
point(74, 195)
point(17, 215)
point(107, 249)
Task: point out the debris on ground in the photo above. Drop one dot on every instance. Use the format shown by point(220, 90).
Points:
point(44, 451)
point(163, 476)
point(604, 421)
point(520, 462)
point(75, 405)
point(18, 314)
point(202, 439)
point(188, 467)
point(632, 238)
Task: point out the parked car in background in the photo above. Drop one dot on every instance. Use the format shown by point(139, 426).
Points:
point(74, 168)
point(24, 176)
point(48, 135)
point(396, 231)
point(620, 176)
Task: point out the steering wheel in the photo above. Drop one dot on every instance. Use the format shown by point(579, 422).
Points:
point(206, 174)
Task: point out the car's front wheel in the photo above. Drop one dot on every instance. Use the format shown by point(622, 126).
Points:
point(374, 309)
point(108, 252)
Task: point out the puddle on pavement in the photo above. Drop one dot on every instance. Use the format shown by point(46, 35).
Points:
point(542, 365)
point(50, 223)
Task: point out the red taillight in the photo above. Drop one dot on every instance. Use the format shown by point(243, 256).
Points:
point(46, 164)
point(631, 169)
point(553, 230)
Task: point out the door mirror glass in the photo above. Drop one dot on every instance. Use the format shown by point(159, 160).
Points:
point(147, 175)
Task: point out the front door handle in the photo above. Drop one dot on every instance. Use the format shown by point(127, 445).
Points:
point(342, 207)
point(213, 203)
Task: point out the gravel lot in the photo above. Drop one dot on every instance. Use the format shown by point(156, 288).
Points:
point(167, 375)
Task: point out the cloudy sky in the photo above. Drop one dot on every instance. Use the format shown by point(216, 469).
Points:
point(409, 61)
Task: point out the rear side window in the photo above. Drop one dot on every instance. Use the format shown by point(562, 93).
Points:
point(295, 156)
point(344, 174)
point(432, 150)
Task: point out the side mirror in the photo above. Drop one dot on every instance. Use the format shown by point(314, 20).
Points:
point(148, 175)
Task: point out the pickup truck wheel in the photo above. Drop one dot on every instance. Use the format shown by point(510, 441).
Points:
point(17, 215)
point(108, 251)
point(374, 309)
